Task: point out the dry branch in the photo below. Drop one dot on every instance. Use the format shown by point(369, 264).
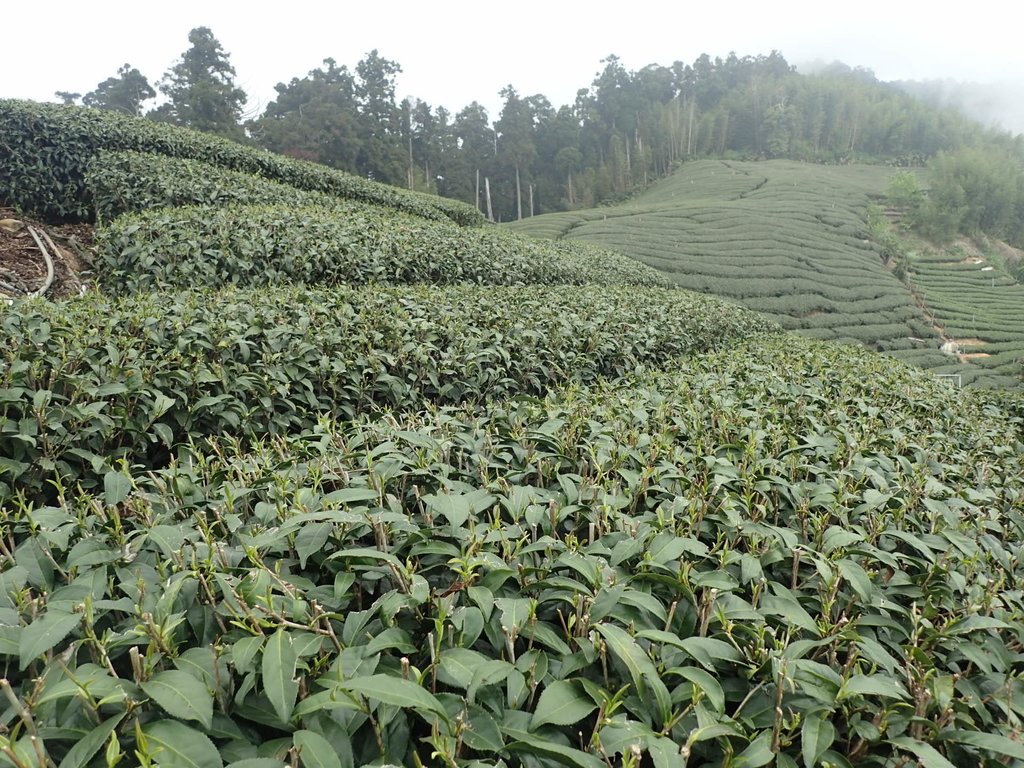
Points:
point(46, 256)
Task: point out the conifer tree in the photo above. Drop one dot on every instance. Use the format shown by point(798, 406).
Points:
point(201, 89)
point(124, 93)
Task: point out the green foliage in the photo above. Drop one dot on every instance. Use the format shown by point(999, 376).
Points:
point(904, 190)
point(47, 150)
point(894, 253)
point(475, 525)
point(92, 381)
point(974, 191)
point(213, 246)
point(825, 574)
point(201, 91)
point(315, 117)
point(124, 93)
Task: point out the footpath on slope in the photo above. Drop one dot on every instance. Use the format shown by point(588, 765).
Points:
point(23, 267)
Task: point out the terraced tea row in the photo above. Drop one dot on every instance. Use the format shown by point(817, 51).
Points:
point(783, 238)
point(980, 309)
point(246, 245)
point(93, 381)
point(133, 182)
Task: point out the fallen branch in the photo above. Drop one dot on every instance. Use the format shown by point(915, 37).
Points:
point(12, 282)
point(73, 245)
point(49, 261)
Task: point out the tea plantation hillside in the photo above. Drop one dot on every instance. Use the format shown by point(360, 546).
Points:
point(335, 481)
point(973, 297)
point(787, 239)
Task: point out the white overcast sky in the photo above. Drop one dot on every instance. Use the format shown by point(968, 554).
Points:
point(455, 52)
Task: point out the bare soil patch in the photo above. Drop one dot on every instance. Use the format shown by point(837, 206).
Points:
point(23, 267)
point(969, 342)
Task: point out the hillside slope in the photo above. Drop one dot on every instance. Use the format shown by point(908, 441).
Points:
point(326, 483)
point(970, 292)
point(787, 239)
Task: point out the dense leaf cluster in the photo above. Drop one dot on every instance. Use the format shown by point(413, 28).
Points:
point(270, 245)
point(47, 150)
point(786, 552)
point(95, 380)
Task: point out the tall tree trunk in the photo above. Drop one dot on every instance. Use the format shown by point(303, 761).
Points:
point(519, 195)
point(412, 173)
point(572, 197)
point(478, 189)
point(689, 131)
point(487, 191)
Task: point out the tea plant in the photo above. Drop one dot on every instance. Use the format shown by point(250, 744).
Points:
point(767, 555)
point(95, 380)
point(278, 245)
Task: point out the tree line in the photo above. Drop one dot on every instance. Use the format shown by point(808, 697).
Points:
point(626, 129)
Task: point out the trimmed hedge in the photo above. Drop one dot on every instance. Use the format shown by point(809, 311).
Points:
point(269, 245)
point(132, 182)
point(46, 150)
point(93, 380)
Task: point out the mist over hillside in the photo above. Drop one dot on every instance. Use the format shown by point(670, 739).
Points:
point(994, 104)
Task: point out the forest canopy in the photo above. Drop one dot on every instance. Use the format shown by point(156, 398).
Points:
point(624, 130)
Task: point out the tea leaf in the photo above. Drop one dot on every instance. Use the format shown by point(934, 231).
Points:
point(315, 751)
point(278, 667)
point(174, 745)
point(45, 633)
point(181, 695)
point(561, 703)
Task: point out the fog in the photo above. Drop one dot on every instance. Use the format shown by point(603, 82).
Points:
point(995, 104)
